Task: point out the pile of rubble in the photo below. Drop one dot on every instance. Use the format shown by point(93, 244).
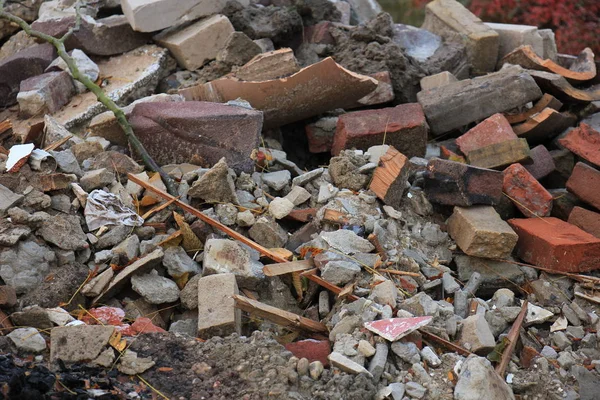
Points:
point(364, 209)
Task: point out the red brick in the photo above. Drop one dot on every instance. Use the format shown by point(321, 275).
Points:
point(495, 129)
point(543, 163)
point(312, 350)
point(403, 127)
point(455, 184)
point(563, 203)
point(584, 182)
point(583, 141)
point(530, 197)
point(554, 244)
point(587, 220)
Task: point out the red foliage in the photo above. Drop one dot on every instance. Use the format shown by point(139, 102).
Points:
point(576, 23)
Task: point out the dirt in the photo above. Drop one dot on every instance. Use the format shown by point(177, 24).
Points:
point(237, 367)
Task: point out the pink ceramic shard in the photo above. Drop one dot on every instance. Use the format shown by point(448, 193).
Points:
point(396, 328)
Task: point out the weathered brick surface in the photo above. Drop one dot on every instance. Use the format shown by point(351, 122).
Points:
point(587, 220)
point(494, 129)
point(585, 184)
point(542, 163)
point(479, 231)
point(176, 132)
point(499, 155)
point(403, 127)
point(583, 141)
point(555, 244)
point(453, 183)
point(530, 197)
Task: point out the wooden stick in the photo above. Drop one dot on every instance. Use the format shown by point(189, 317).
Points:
point(5, 125)
point(378, 247)
point(159, 208)
point(311, 275)
point(396, 272)
point(513, 337)
point(445, 343)
point(58, 143)
point(335, 217)
point(302, 215)
point(287, 267)
point(215, 224)
point(593, 299)
point(280, 317)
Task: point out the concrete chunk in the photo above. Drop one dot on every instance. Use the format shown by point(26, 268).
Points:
point(460, 103)
point(198, 43)
point(452, 21)
point(476, 335)
point(437, 80)
point(227, 256)
point(479, 231)
point(78, 343)
point(46, 93)
point(511, 36)
point(217, 315)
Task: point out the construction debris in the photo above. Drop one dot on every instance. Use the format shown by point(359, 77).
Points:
point(327, 230)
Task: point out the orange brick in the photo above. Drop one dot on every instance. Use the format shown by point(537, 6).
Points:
point(554, 244)
point(530, 197)
point(495, 129)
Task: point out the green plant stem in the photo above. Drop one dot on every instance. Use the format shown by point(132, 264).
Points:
point(59, 44)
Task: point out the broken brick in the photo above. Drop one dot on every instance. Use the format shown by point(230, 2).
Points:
point(587, 220)
point(494, 129)
point(46, 93)
point(585, 184)
point(320, 134)
point(454, 183)
point(583, 141)
point(480, 232)
point(390, 177)
point(554, 244)
point(402, 126)
point(530, 197)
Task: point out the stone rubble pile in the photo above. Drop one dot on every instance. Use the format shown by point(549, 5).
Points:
point(410, 213)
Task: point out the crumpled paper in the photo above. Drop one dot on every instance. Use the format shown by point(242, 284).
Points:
point(105, 208)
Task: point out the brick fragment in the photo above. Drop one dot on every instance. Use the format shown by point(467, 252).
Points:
point(530, 197)
point(542, 163)
point(480, 232)
point(500, 155)
point(587, 220)
point(495, 129)
point(555, 244)
point(217, 314)
point(584, 182)
point(583, 141)
point(390, 177)
point(403, 127)
point(452, 183)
